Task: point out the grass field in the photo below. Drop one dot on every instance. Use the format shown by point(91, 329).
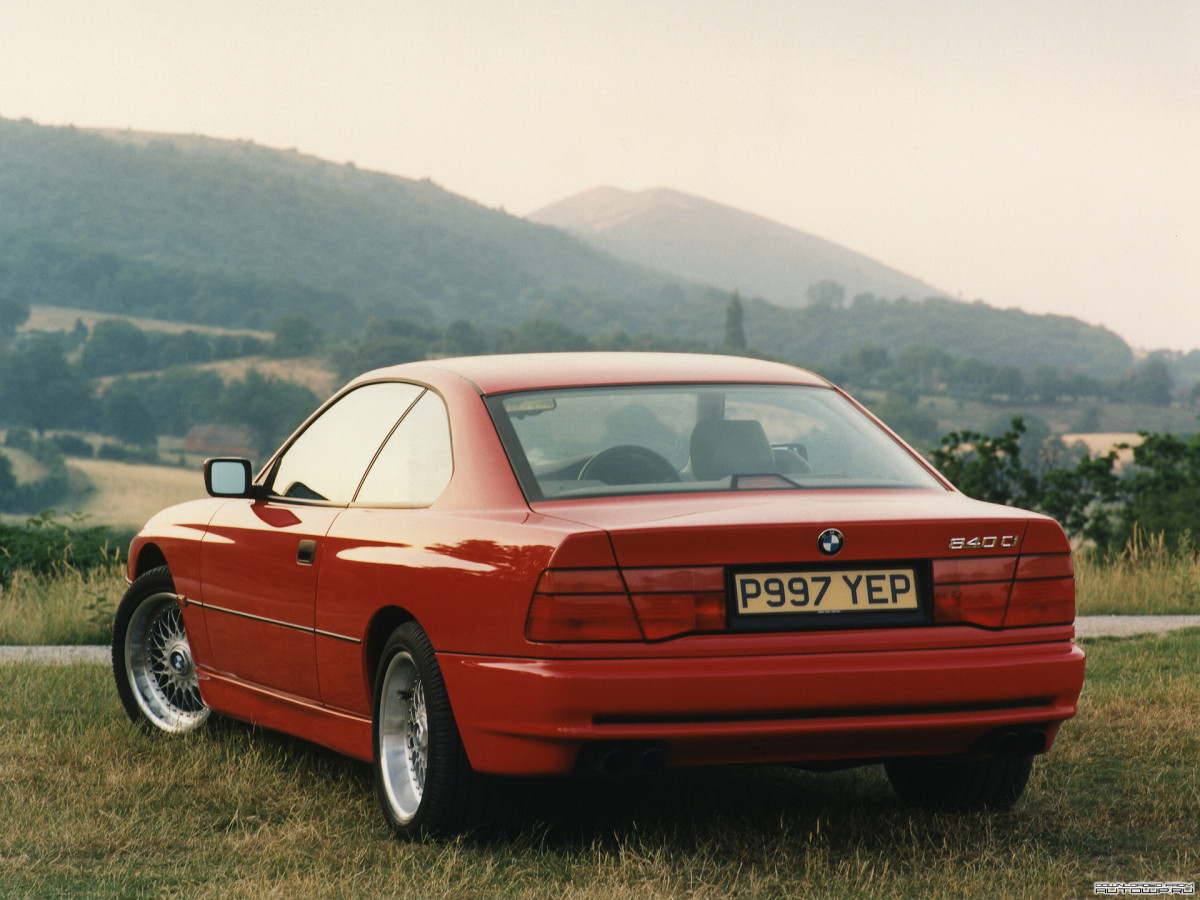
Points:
point(311, 372)
point(125, 496)
point(62, 318)
point(93, 807)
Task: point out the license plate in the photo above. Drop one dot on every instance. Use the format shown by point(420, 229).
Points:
point(830, 591)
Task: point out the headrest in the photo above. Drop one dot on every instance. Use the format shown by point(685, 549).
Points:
point(721, 448)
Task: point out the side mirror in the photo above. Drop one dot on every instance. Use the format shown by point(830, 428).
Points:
point(228, 477)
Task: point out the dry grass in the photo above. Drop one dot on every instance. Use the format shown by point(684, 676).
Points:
point(62, 318)
point(68, 608)
point(311, 372)
point(25, 468)
point(93, 807)
point(126, 495)
point(1145, 578)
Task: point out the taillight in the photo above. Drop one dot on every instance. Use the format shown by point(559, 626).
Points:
point(581, 605)
point(1044, 592)
point(629, 605)
point(675, 601)
point(973, 590)
point(1005, 591)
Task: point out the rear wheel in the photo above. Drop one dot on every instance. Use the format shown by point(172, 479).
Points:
point(423, 780)
point(960, 782)
point(152, 661)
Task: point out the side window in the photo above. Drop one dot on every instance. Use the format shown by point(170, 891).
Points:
point(415, 465)
point(328, 459)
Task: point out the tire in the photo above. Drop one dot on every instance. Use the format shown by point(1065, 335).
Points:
point(424, 783)
point(960, 782)
point(152, 662)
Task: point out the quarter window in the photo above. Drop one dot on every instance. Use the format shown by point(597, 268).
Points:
point(327, 461)
point(415, 464)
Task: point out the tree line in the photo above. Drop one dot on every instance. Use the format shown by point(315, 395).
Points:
point(1092, 498)
point(85, 380)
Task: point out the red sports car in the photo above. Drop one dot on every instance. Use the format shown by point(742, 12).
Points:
point(617, 562)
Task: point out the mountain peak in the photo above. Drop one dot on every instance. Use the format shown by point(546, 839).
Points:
point(707, 241)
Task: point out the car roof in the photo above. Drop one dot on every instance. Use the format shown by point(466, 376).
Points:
point(531, 371)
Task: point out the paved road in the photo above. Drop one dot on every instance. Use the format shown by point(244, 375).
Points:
point(1085, 626)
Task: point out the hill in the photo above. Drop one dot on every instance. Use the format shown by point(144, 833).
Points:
point(719, 245)
point(190, 229)
point(229, 233)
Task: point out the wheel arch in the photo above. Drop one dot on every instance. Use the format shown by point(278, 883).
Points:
point(149, 556)
point(384, 622)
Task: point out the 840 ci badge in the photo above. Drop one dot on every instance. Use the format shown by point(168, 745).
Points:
point(828, 596)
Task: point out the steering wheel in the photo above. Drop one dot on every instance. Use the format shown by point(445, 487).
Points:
point(628, 464)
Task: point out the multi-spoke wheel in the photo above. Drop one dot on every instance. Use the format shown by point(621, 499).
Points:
point(424, 782)
point(152, 661)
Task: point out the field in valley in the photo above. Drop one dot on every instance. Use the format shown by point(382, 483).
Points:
point(124, 496)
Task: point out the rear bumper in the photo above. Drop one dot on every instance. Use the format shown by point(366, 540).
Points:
point(527, 716)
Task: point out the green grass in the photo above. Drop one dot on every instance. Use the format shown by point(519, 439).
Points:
point(92, 807)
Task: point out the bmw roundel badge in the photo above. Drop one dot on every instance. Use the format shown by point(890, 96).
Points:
point(830, 541)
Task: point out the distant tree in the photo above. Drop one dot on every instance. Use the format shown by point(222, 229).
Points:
point(8, 481)
point(126, 415)
point(927, 369)
point(270, 407)
point(116, 346)
point(735, 330)
point(901, 413)
point(180, 349)
point(295, 335)
point(388, 342)
point(1151, 383)
point(1088, 420)
point(79, 333)
point(864, 365)
point(540, 335)
point(40, 389)
point(826, 295)
point(461, 338)
point(13, 314)
point(1007, 384)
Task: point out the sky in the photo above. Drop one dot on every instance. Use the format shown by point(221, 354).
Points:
point(1040, 154)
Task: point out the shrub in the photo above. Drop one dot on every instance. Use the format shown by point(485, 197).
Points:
point(46, 546)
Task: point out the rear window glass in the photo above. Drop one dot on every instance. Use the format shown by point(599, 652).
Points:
point(601, 441)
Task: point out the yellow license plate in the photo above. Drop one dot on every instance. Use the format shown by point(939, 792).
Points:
point(839, 590)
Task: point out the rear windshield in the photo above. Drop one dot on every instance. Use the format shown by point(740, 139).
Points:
point(604, 441)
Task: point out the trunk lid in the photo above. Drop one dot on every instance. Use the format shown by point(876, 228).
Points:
point(762, 528)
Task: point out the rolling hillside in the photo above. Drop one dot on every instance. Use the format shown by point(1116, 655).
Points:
point(228, 233)
point(734, 250)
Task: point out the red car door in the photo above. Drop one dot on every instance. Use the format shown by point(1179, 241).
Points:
point(259, 559)
point(258, 564)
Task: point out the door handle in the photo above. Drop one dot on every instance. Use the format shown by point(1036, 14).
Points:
point(307, 552)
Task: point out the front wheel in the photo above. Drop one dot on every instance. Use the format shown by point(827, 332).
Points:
point(960, 782)
point(151, 658)
point(423, 780)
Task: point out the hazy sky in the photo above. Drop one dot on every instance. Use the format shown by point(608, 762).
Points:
point(1035, 153)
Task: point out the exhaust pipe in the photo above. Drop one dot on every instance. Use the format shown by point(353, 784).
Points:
point(1024, 740)
point(1035, 742)
point(623, 759)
